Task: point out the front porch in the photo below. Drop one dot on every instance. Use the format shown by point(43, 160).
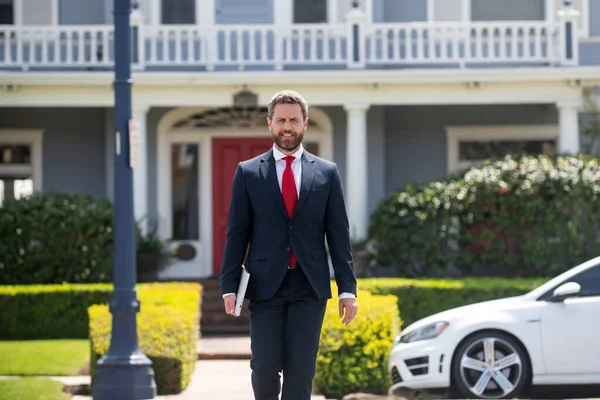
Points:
point(392, 137)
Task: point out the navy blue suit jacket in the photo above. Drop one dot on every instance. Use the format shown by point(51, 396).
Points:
point(258, 219)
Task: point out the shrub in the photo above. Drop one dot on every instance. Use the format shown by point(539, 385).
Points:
point(60, 237)
point(528, 215)
point(55, 238)
point(60, 311)
point(419, 298)
point(354, 358)
point(167, 336)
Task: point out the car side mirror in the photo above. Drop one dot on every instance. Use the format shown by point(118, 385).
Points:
point(565, 291)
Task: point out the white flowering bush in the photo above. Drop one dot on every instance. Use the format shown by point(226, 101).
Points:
point(528, 215)
point(55, 238)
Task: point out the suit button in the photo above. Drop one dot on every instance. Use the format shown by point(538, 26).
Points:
point(288, 249)
point(291, 228)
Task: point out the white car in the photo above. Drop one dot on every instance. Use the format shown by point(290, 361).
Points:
point(495, 349)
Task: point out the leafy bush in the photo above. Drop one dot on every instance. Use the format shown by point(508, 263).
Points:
point(60, 237)
point(419, 298)
point(168, 329)
point(55, 238)
point(528, 215)
point(60, 311)
point(354, 358)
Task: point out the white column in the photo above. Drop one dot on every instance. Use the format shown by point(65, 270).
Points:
point(140, 172)
point(568, 117)
point(356, 169)
point(205, 17)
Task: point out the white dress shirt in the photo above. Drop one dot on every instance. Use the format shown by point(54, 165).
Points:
point(280, 165)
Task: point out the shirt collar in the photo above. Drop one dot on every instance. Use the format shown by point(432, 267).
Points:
point(279, 155)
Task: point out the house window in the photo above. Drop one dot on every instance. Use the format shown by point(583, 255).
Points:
point(184, 191)
point(7, 12)
point(178, 12)
point(310, 11)
point(20, 164)
point(477, 150)
point(471, 145)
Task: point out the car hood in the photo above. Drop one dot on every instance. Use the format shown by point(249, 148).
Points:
point(471, 310)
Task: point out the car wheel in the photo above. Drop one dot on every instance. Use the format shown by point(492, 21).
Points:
point(490, 365)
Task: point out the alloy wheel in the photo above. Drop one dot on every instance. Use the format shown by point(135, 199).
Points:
point(491, 368)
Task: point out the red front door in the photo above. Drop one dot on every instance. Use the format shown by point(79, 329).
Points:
point(226, 154)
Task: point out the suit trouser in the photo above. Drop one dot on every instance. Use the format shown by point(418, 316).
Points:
point(284, 334)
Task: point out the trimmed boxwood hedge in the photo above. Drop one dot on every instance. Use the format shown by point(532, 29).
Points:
point(168, 328)
point(420, 298)
point(354, 358)
point(60, 311)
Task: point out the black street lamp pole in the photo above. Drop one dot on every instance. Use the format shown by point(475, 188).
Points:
point(124, 373)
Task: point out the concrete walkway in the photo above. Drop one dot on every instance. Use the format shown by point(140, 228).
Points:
point(216, 380)
point(224, 348)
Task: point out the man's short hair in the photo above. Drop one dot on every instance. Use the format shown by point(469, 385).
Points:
point(287, 97)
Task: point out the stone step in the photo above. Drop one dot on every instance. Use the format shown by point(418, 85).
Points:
point(224, 347)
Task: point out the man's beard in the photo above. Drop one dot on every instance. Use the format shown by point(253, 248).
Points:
point(288, 143)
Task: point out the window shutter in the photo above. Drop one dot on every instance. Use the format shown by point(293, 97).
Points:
point(38, 12)
point(447, 10)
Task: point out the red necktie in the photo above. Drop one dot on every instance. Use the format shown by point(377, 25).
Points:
point(290, 194)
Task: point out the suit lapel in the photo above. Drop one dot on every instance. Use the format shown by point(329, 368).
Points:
point(308, 177)
point(269, 173)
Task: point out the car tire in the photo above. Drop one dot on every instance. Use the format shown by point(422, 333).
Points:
point(490, 365)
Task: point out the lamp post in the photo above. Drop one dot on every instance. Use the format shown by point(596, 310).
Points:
point(124, 373)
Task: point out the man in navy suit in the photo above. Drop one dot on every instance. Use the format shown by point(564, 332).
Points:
point(284, 203)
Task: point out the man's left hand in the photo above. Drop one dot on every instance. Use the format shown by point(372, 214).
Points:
point(351, 308)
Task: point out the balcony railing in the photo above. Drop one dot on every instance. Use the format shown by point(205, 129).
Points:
point(354, 45)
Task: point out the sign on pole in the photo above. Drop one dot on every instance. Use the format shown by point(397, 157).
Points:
point(134, 144)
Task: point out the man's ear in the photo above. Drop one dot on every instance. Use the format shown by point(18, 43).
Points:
point(306, 123)
point(268, 122)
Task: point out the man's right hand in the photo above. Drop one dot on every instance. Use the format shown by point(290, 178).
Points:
point(230, 304)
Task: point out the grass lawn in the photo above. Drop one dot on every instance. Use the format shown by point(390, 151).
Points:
point(32, 389)
point(44, 357)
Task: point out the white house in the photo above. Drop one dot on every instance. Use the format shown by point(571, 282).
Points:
point(399, 91)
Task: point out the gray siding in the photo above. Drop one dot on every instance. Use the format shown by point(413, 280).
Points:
point(594, 17)
point(415, 140)
point(73, 146)
point(589, 54)
point(82, 12)
point(399, 10)
point(507, 10)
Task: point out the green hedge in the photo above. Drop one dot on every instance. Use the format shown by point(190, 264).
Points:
point(167, 329)
point(55, 238)
point(354, 358)
point(419, 298)
point(524, 215)
point(60, 311)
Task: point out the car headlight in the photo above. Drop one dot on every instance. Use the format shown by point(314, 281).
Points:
point(427, 332)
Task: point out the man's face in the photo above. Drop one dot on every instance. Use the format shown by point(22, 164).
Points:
point(287, 127)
